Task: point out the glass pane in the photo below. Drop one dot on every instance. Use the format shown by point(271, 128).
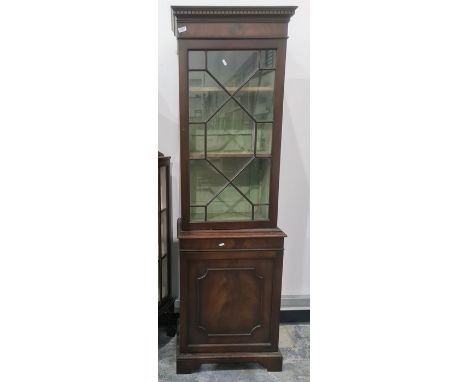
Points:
point(230, 166)
point(230, 131)
point(232, 68)
point(260, 212)
point(264, 137)
point(229, 135)
point(163, 229)
point(205, 182)
point(268, 59)
point(162, 186)
point(229, 205)
point(205, 96)
point(197, 140)
point(257, 95)
point(254, 181)
point(164, 285)
point(197, 214)
point(196, 59)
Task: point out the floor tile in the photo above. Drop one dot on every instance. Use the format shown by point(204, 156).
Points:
point(285, 340)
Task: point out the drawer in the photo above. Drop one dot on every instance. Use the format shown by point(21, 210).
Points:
point(232, 243)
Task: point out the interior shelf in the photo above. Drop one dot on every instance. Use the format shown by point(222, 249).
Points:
point(228, 155)
point(204, 89)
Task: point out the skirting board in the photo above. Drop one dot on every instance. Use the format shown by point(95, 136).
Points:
point(288, 302)
point(295, 302)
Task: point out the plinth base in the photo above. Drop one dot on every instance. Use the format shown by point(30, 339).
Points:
point(190, 362)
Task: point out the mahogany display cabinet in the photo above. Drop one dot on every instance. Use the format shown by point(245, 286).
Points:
point(231, 79)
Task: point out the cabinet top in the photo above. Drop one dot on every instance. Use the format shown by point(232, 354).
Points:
point(229, 234)
point(183, 14)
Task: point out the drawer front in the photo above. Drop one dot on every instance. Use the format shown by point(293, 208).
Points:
point(232, 243)
point(229, 302)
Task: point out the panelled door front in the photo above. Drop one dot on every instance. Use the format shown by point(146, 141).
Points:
point(230, 300)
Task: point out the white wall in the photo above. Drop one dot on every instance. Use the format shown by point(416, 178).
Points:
point(293, 214)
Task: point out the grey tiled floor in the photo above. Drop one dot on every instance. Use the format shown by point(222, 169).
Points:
point(293, 343)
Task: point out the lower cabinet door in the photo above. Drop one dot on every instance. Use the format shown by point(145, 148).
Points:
point(230, 301)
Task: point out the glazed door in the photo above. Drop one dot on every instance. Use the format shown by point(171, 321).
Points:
point(230, 128)
point(230, 124)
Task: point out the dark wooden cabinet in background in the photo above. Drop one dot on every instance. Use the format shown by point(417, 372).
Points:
point(166, 313)
point(231, 79)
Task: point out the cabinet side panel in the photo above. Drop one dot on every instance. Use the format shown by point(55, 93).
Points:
point(183, 309)
point(277, 126)
point(276, 299)
point(184, 135)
